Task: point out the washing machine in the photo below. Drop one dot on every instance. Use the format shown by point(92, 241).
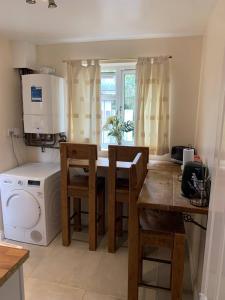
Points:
point(30, 200)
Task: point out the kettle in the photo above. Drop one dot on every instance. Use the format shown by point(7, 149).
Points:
point(195, 176)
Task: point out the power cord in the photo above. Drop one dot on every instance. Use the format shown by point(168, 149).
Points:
point(13, 148)
point(187, 218)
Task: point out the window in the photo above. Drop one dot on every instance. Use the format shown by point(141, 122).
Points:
point(118, 93)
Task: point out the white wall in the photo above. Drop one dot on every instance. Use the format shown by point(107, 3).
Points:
point(212, 85)
point(185, 67)
point(10, 112)
point(211, 81)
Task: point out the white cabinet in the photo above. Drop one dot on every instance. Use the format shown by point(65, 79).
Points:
point(13, 288)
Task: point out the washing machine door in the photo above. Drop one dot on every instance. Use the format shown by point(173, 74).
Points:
point(22, 210)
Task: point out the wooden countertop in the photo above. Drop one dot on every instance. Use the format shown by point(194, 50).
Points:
point(162, 190)
point(10, 260)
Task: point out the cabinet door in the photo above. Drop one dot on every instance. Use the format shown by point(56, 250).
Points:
point(13, 288)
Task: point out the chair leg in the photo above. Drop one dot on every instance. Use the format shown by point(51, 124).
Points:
point(133, 256)
point(92, 222)
point(77, 212)
point(119, 217)
point(111, 224)
point(101, 213)
point(140, 263)
point(65, 211)
point(177, 267)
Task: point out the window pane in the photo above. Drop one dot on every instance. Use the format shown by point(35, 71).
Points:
point(108, 83)
point(118, 91)
point(129, 103)
point(108, 103)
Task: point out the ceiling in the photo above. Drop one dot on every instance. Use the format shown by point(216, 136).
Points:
point(93, 20)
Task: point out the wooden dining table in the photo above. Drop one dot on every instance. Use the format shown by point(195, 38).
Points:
point(161, 191)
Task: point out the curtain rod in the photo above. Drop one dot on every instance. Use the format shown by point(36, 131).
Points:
point(111, 59)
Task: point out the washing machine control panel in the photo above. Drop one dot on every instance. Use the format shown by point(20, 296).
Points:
point(29, 183)
point(33, 183)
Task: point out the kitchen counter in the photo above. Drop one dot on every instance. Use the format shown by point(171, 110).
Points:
point(11, 259)
point(11, 271)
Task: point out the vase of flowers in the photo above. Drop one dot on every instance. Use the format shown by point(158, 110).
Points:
point(116, 128)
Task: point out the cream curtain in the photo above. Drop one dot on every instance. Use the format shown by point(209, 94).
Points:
point(152, 120)
point(84, 101)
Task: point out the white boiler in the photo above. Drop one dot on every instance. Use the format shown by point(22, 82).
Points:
point(43, 104)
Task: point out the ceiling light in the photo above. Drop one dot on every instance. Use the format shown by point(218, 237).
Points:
point(31, 1)
point(52, 4)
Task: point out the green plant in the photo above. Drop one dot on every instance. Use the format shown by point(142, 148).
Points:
point(116, 127)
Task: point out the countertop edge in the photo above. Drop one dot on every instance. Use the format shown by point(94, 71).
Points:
point(8, 273)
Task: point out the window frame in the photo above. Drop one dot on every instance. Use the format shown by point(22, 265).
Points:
point(120, 69)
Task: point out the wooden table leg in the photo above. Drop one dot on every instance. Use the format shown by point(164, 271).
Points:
point(178, 267)
point(133, 253)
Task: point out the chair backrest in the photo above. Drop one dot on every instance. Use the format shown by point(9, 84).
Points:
point(136, 181)
point(78, 151)
point(137, 173)
point(69, 151)
point(127, 154)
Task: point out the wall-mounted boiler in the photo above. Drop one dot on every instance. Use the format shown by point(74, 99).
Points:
point(43, 104)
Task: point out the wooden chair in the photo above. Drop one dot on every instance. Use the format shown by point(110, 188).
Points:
point(79, 187)
point(118, 188)
point(164, 229)
point(153, 228)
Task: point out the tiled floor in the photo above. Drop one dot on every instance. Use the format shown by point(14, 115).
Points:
point(74, 273)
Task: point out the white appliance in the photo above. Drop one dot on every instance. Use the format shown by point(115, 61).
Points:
point(43, 103)
point(30, 196)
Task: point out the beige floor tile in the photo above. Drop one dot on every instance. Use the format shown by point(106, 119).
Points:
point(111, 275)
point(83, 271)
point(37, 254)
point(73, 265)
point(103, 276)
point(96, 296)
point(36, 249)
point(146, 294)
point(164, 295)
point(36, 289)
point(31, 264)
